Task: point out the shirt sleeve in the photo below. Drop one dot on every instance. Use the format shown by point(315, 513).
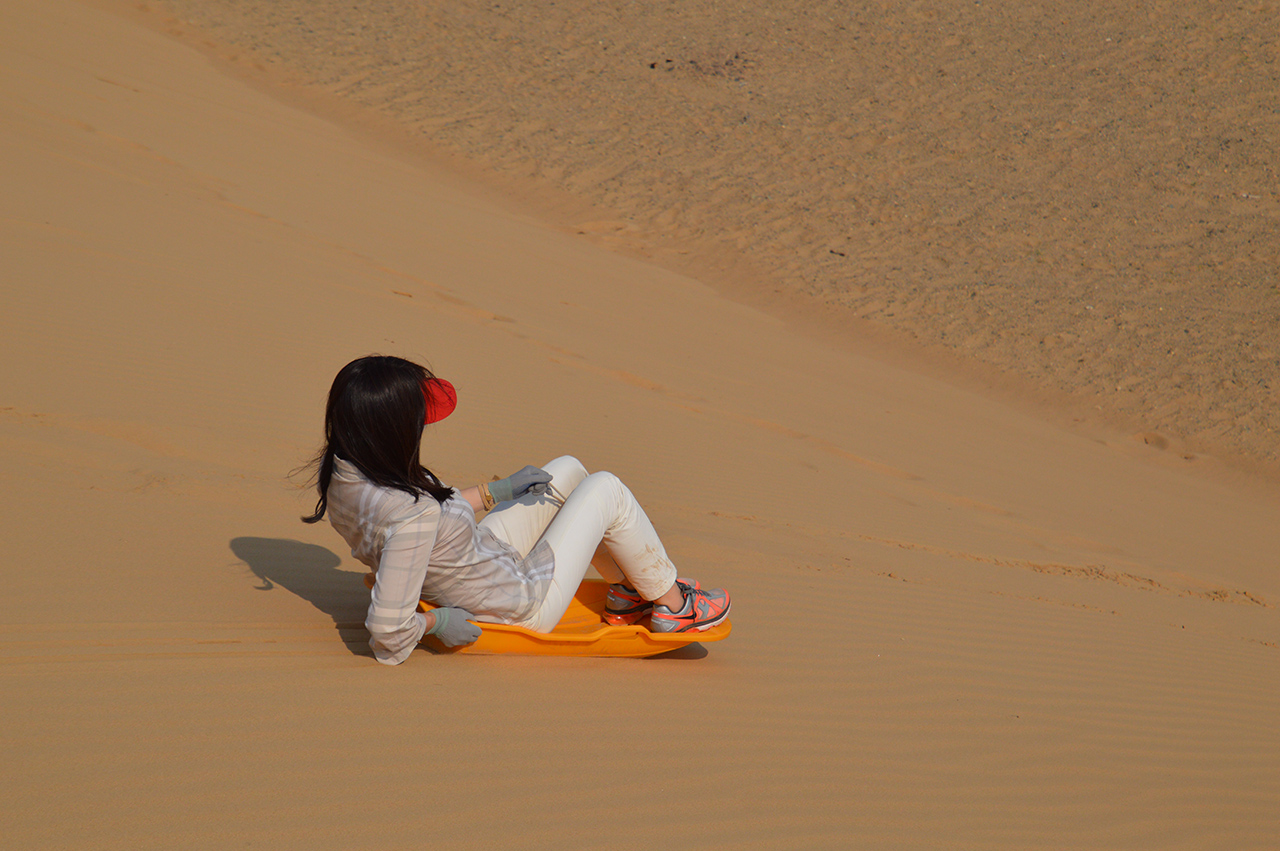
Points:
point(395, 625)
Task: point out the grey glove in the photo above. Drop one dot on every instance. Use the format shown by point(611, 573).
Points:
point(453, 627)
point(529, 480)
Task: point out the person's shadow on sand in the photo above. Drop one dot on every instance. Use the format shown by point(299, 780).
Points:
point(311, 572)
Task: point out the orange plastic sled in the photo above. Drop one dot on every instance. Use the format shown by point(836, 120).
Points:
point(581, 632)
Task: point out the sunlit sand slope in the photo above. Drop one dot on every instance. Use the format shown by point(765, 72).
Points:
point(955, 625)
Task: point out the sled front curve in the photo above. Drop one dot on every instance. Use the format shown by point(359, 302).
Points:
point(581, 632)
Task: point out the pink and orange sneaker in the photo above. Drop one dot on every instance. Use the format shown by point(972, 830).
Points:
point(624, 605)
point(701, 611)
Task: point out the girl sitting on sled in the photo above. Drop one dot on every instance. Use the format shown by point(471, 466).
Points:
point(520, 565)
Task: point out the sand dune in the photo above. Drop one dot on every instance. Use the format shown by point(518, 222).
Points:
point(956, 623)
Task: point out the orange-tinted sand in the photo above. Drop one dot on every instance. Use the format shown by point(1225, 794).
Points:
point(956, 624)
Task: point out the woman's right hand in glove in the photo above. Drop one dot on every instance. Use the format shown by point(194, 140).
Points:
point(453, 627)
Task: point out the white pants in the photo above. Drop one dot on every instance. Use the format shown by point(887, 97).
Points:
point(597, 508)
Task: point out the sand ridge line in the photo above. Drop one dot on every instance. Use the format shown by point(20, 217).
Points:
point(184, 626)
point(1129, 576)
point(1100, 572)
point(140, 641)
point(155, 656)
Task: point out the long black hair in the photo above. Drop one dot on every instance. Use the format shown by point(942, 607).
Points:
point(374, 420)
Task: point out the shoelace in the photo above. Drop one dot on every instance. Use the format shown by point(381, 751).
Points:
point(687, 591)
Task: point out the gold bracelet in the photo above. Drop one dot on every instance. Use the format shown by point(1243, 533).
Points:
point(486, 497)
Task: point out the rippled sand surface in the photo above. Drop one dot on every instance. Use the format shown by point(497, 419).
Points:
point(1084, 195)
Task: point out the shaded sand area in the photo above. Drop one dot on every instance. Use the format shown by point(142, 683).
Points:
point(1083, 195)
point(956, 625)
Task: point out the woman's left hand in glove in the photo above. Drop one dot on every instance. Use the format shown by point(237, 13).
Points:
point(531, 479)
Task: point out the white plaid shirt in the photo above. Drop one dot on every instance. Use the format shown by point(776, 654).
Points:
point(434, 552)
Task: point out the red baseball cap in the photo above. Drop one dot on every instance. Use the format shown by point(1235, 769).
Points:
point(441, 399)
